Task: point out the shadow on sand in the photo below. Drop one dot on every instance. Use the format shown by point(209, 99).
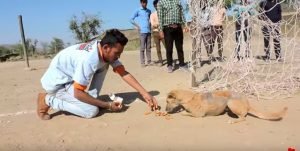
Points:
point(128, 98)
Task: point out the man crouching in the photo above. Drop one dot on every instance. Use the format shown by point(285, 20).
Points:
point(75, 68)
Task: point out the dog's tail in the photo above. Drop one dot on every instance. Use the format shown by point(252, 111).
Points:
point(273, 116)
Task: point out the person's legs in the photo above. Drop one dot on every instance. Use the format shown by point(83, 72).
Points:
point(238, 42)
point(219, 33)
point(246, 33)
point(142, 48)
point(207, 40)
point(97, 81)
point(42, 107)
point(276, 40)
point(178, 36)
point(157, 45)
point(213, 35)
point(64, 100)
point(148, 47)
point(163, 42)
point(169, 45)
point(266, 34)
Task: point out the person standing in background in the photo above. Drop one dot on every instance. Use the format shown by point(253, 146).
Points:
point(242, 13)
point(171, 19)
point(141, 20)
point(272, 16)
point(218, 17)
point(155, 32)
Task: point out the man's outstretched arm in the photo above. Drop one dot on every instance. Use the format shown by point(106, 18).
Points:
point(151, 101)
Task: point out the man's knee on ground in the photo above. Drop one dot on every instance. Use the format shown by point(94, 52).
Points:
point(91, 112)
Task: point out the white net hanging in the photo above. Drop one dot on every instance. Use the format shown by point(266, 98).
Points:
point(244, 65)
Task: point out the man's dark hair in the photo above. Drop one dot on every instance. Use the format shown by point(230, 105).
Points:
point(155, 2)
point(144, 1)
point(112, 37)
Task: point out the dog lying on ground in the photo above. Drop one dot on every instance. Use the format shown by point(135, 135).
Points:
point(215, 103)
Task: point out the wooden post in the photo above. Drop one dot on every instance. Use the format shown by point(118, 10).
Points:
point(193, 72)
point(193, 64)
point(23, 41)
point(193, 79)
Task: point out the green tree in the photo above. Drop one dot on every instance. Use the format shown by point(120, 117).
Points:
point(34, 46)
point(31, 46)
point(86, 27)
point(56, 45)
point(18, 48)
point(4, 50)
point(45, 47)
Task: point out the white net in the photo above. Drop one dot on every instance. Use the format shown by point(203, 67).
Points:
point(253, 55)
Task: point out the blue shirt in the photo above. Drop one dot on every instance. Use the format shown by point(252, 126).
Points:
point(142, 18)
point(240, 10)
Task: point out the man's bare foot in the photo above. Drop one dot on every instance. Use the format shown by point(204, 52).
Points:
point(42, 107)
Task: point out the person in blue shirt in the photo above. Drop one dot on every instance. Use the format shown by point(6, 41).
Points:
point(242, 13)
point(141, 20)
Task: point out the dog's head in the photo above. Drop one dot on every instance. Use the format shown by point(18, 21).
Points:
point(175, 99)
point(172, 101)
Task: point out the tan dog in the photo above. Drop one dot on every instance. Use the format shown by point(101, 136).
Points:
point(216, 103)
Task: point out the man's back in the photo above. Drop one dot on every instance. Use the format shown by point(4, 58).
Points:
point(170, 12)
point(66, 64)
point(218, 15)
point(272, 10)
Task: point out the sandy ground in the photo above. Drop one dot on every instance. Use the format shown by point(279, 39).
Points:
point(20, 128)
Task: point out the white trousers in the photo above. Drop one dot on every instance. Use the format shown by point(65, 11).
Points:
point(64, 100)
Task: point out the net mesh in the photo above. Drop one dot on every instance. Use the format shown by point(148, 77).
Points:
point(239, 60)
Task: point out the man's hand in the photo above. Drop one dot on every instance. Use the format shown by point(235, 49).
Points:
point(151, 101)
point(154, 26)
point(115, 106)
point(137, 28)
point(161, 35)
point(186, 29)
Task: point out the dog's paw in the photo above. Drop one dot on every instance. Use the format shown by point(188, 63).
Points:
point(236, 121)
point(184, 113)
point(230, 122)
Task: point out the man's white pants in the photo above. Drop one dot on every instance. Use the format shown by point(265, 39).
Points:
point(64, 100)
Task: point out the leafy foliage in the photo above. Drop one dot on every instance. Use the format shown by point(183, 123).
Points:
point(56, 45)
point(4, 50)
point(45, 47)
point(18, 48)
point(86, 28)
point(31, 46)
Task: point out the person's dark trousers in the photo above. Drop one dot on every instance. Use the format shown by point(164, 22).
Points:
point(267, 31)
point(174, 34)
point(238, 38)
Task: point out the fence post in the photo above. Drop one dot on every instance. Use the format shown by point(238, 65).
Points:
point(23, 41)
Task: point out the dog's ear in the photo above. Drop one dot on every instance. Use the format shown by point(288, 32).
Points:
point(172, 95)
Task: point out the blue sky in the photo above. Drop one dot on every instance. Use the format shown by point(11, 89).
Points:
point(45, 19)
